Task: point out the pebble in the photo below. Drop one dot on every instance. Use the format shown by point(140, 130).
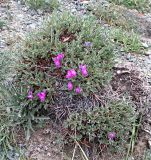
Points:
point(148, 53)
point(19, 2)
point(2, 44)
point(39, 11)
point(32, 26)
point(33, 12)
point(131, 158)
point(24, 9)
point(145, 45)
point(149, 142)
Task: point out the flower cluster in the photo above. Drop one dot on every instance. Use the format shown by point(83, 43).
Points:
point(30, 95)
point(58, 59)
point(111, 136)
point(40, 95)
point(72, 74)
point(84, 71)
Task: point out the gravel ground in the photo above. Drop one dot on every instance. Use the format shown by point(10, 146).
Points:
point(20, 20)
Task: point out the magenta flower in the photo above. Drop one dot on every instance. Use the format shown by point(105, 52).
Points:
point(42, 96)
point(84, 71)
point(111, 136)
point(87, 44)
point(60, 56)
point(70, 86)
point(71, 74)
point(30, 95)
point(78, 90)
point(57, 62)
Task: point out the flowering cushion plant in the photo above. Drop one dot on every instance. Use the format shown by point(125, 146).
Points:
point(80, 65)
point(74, 68)
point(60, 78)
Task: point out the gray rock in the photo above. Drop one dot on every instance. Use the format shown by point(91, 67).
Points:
point(39, 11)
point(25, 9)
point(19, 2)
point(148, 52)
point(2, 44)
point(148, 61)
point(145, 45)
point(149, 56)
point(33, 12)
point(149, 142)
point(32, 26)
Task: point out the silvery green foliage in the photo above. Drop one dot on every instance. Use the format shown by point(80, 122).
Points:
point(141, 5)
point(94, 125)
point(42, 4)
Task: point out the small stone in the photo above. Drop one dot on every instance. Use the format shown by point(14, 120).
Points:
point(46, 148)
point(49, 154)
point(131, 158)
point(19, 2)
point(85, 1)
point(19, 16)
point(150, 56)
point(28, 23)
point(2, 44)
point(118, 72)
point(148, 52)
point(73, 10)
point(17, 154)
point(148, 61)
point(5, 27)
point(145, 45)
point(33, 12)
point(38, 149)
point(25, 9)
point(129, 58)
point(39, 11)
point(32, 26)
point(149, 143)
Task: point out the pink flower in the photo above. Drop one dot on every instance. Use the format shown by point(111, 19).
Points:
point(71, 74)
point(30, 95)
point(70, 86)
point(57, 62)
point(84, 71)
point(42, 96)
point(78, 90)
point(111, 136)
point(60, 56)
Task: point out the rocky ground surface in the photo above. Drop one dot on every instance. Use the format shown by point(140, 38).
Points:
point(21, 20)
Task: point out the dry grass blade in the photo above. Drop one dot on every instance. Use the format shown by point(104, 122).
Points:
point(86, 158)
point(74, 151)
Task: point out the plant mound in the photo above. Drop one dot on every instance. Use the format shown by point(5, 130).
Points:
point(62, 70)
point(70, 58)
